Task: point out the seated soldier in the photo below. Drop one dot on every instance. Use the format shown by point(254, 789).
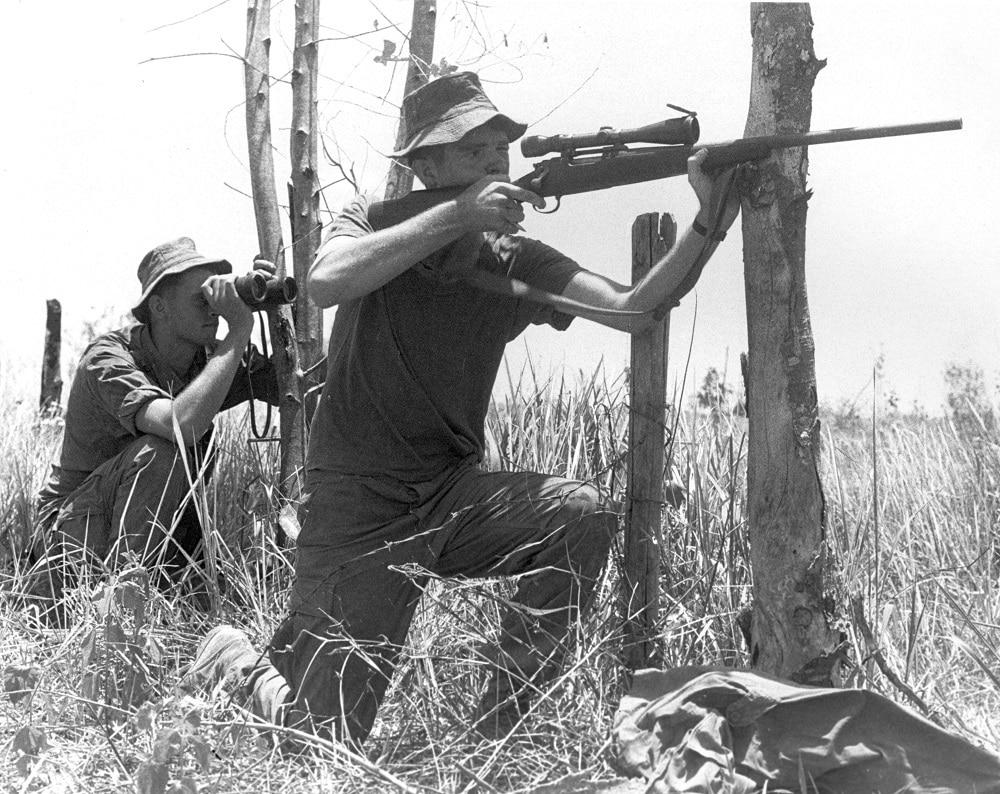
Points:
point(394, 461)
point(119, 482)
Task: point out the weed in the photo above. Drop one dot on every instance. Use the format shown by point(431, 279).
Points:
point(96, 707)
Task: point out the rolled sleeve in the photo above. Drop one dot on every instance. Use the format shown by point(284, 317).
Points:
point(119, 386)
point(351, 221)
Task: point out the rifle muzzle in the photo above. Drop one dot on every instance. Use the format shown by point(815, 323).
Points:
point(683, 130)
point(261, 291)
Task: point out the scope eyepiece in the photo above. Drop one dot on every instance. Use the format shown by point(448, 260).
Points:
point(261, 291)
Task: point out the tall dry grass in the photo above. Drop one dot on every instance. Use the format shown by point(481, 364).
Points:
point(912, 511)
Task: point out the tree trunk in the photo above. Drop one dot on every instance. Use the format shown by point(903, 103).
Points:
point(792, 629)
point(306, 227)
point(265, 201)
point(652, 236)
point(51, 393)
point(421, 47)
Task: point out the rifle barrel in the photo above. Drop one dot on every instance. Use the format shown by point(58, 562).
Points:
point(566, 175)
point(731, 152)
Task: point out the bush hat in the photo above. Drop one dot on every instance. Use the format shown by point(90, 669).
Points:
point(445, 110)
point(170, 258)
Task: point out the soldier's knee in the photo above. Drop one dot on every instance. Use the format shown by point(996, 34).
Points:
point(583, 502)
point(157, 460)
point(156, 452)
point(154, 476)
point(581, 499)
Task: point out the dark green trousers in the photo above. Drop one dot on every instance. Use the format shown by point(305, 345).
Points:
point(366, 549)
point(131, 503)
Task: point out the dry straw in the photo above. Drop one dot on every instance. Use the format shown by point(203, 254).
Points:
point(932, 610)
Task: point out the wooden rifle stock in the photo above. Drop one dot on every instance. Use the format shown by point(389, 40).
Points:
point(609, 167)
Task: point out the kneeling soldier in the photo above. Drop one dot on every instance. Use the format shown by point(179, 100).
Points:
point(119, 482)
point(395, 452)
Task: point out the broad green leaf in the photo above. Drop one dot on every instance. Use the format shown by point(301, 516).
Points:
point(151, 778)
point(20, 680)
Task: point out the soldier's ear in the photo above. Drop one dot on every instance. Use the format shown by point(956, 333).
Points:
point(156, 306)
point(425, 170)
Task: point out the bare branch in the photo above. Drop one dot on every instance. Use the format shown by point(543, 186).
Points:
point(188, 19)
point(392, 24)
point(569, 96)
point(231, 54)
point(190, 55)
point(350, 36)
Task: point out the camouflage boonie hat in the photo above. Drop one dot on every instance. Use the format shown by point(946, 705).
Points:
point(445, 110)
point(169, 258)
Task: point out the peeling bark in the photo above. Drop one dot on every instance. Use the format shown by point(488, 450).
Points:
point(421, 45)
point(306, 226)
point(793, 627)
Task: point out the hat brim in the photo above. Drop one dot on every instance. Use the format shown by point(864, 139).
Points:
point(452, 130)
point(221, 267)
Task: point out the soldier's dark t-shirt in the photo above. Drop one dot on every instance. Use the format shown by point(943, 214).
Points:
point(411, 366)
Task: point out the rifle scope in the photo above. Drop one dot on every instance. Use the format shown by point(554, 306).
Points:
point(683, 130)
point(261, 291)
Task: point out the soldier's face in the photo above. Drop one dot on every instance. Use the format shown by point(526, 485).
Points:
point(190, 317)
point(483, 152)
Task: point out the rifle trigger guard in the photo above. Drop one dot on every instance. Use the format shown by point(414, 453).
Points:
point(536, 183)
point(549, 212)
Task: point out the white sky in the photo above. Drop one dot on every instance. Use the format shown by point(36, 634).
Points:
point(105, 156)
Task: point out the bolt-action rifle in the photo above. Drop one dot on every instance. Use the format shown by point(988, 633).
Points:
point(603, 159)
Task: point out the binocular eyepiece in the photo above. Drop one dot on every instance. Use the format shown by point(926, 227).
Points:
point(262, 291)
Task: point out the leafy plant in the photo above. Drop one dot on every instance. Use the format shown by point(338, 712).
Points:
point(119, 654)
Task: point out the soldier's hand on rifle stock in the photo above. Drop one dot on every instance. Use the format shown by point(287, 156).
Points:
point(712, 188)
point(493, 206)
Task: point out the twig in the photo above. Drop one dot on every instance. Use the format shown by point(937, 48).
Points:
point(331, 747)
point(188, 19)
point(861, 621)
point(349, 36)
point(190, 55)
point(569, 96)
point(478, 780)
point(114, 749)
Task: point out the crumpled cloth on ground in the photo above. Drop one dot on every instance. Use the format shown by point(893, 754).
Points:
point(718, 731)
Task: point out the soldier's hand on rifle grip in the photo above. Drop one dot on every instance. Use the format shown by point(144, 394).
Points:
point(709, 187)
point(492, 206)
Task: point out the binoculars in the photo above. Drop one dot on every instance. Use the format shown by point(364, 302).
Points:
point(262, 291)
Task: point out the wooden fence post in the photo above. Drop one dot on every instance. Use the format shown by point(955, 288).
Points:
point(653, 235)
point(52, 384)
